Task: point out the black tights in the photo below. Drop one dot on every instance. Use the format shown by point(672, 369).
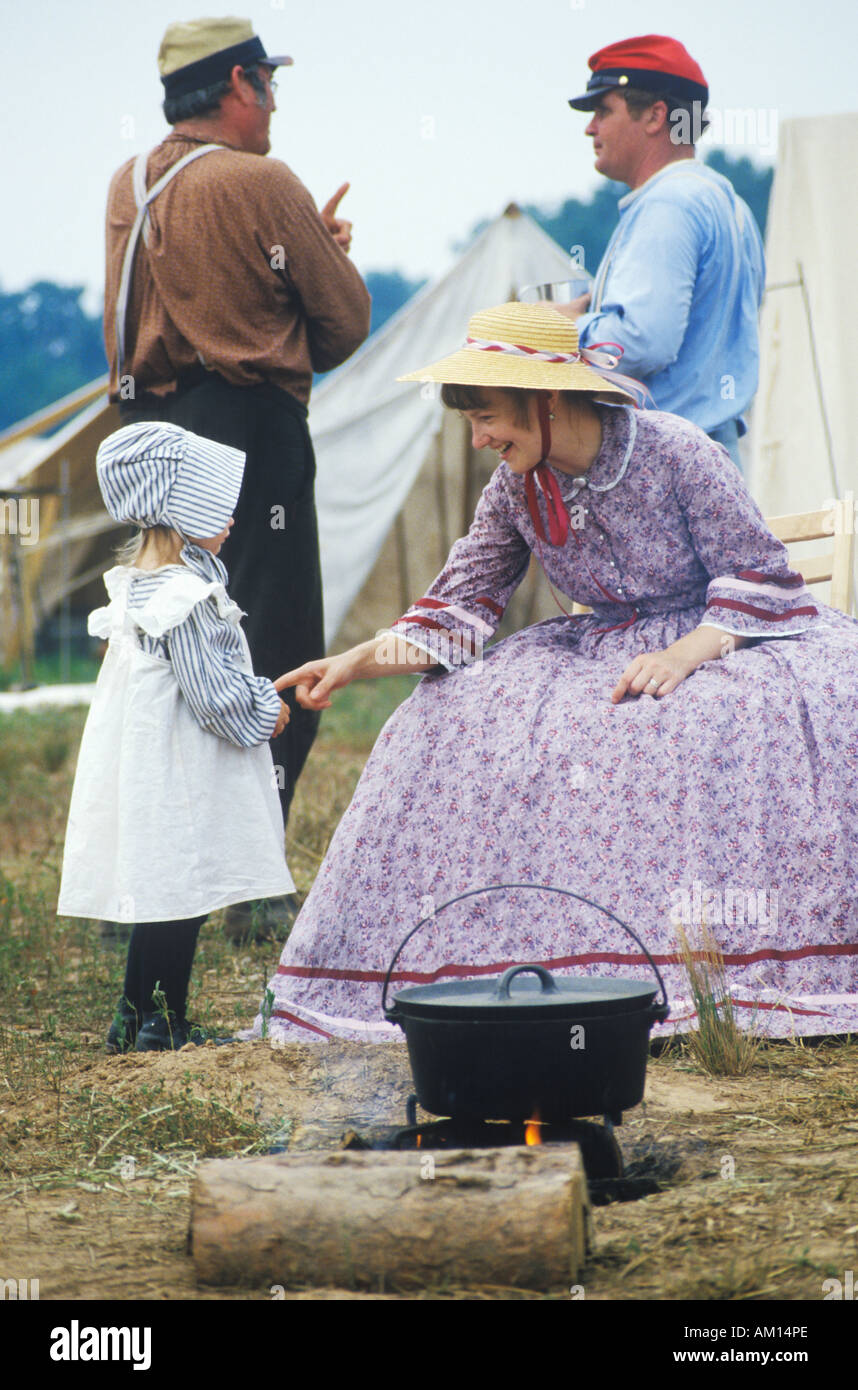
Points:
point(160, 955)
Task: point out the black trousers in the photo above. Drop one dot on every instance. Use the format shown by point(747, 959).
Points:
point(272, 555)
point(160, 956)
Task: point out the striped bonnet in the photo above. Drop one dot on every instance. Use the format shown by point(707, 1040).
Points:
point(156, 474)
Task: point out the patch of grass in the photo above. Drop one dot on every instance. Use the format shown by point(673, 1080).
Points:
point(87, 1127)
point(55, 979)
point(718, 1045)
point(747, 1278)
point(48, 670)
point(359, 712)
point(38, 754)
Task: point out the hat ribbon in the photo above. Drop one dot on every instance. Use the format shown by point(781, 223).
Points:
point(559, 529)
point(559, 525)
point(558, 517)
point(603, 363)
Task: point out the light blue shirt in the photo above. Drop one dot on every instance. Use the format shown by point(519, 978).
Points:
point(679, 288)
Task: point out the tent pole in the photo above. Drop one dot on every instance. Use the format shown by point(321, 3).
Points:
point(405, 596)
point(829, 443)
point(466, 455)
point(441, 497)
point(65, 607)
point(801, 284)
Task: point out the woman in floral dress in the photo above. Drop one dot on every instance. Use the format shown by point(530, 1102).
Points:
point(686, 753)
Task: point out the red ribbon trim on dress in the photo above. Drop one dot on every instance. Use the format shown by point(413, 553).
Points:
point(312, 972)
point(293, 1018)
point(412, 617)
point(418, 621)
point(806, 612)
point(790, 581)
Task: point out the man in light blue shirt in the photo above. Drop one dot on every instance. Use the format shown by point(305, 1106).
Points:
point(680, 284)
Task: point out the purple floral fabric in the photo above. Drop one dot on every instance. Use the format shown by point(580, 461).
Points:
point(732, 801)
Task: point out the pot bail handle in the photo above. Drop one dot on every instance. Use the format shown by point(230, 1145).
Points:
point(549, 984)
point(660, 1011)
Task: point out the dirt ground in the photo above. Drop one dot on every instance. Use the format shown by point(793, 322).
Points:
point(759, 1176)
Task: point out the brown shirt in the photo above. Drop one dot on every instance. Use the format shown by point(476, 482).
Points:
point(239, 272)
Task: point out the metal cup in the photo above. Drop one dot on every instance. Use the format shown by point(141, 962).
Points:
point(560, 291)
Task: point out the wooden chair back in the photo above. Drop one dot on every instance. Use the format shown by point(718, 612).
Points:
point(835, 563)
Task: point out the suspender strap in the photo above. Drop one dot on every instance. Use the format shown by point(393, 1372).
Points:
point(138, 178)
point(143, 200)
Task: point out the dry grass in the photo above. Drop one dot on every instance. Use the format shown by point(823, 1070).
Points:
point(718, 1045)
point(59, 983)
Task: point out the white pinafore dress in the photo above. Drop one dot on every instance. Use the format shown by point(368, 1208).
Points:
point(167, 821)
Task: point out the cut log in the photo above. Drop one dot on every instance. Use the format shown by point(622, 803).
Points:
point(515, 1217)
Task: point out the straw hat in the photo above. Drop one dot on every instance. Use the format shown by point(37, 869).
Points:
point(530, 346)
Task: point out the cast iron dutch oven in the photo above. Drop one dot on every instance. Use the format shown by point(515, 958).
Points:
point(503, 1048)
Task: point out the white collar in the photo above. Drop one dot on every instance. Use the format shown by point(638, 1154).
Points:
point(579, 484)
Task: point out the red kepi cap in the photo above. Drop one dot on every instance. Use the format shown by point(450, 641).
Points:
point(651, 63)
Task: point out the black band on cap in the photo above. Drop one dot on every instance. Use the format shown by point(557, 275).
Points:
point(214, 68)
point(648, 80)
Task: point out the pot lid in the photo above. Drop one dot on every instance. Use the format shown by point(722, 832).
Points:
point(526, 991)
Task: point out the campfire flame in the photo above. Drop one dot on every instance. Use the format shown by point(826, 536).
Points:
point(533, 1129)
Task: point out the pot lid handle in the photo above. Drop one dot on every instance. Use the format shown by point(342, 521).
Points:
point(549, 985)
point(392, 1015)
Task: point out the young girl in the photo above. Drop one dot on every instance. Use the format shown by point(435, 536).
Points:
point(174, 811)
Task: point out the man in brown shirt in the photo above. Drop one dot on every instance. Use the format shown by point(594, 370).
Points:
point(238, 289)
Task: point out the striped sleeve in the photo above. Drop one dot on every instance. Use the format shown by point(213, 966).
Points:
point(752, 590)
point(237, 706)
point(462, 608)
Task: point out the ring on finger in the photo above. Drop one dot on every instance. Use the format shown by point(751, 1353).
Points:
point(653, 681)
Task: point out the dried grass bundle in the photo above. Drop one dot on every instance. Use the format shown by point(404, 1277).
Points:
point(719, 1045)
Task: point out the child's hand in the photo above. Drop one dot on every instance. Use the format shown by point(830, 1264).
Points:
point(282, 720)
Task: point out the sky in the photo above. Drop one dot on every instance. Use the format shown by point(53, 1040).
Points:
point(438, 114)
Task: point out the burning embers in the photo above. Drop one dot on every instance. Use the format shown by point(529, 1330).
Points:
point(533, 1129)
point(599, 1149)
point(600, 1153)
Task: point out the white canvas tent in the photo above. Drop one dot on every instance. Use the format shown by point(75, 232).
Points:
point(804, 444)
point(56, 537)
point(397, 481)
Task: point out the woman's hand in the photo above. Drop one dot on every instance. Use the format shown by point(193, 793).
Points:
point(315, 681)
point(652, 673)
point(659, 673)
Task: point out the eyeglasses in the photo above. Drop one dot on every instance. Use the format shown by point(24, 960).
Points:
point(266, 73)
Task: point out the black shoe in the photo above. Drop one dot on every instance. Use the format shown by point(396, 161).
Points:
point(164, 1032)
point(122, 1034)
